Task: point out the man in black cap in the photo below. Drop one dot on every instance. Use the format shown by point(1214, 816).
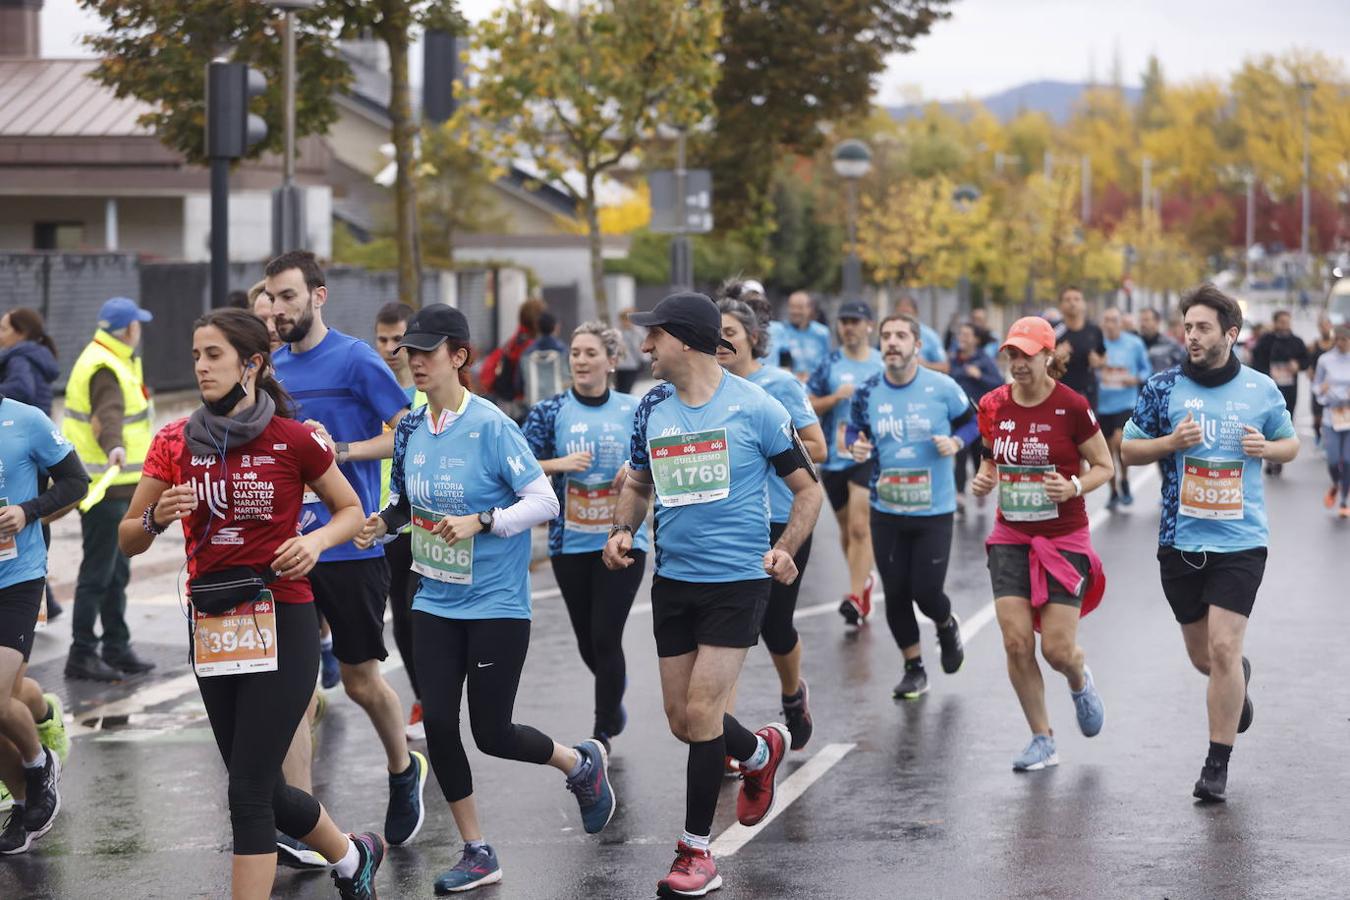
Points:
point(704, 440)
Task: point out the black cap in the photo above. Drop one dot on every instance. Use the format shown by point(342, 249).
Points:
point(689, 316)
point(854, 309)
point(433, 325)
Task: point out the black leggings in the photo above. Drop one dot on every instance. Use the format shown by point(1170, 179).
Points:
point(403, 584)
point(779, 634)
point(912, 553)
point(490, 653)
point(598, 601)
point(254, 717)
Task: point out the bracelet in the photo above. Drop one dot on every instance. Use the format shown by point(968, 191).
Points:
point(1077, 486)
point(148, 521)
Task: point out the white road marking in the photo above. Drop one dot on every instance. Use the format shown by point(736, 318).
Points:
point(792, 787)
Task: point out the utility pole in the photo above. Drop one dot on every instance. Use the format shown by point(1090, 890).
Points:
point(681, 260)
point(1250, 178)
point(1085, 188)
point(1146, 190)
point(1305, 89)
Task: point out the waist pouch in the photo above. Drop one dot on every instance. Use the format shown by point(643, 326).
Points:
point(215, 592)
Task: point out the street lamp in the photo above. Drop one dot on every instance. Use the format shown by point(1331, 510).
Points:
point(1305, 89)
point(852, 160)
point(288, 232)
point(963, 198)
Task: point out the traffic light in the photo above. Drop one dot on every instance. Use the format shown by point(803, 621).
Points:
point(231, 130)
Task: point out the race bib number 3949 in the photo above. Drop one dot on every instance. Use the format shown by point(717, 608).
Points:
point(691, 468)
point(238, 641)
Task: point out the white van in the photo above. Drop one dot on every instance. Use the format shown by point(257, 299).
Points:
point(1338, 302)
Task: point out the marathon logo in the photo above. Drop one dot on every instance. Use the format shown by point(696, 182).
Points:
point(213, 494)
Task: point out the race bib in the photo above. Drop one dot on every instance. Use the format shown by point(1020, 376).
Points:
point(9, 547)
point(1022, 496)
point(238, 641)
point(310, 497)
point(1113, 376)
point(1284, 374)
point(590, 507)
point(691, 468)
point(905, 490)
point(1340, 418)
point(1211, 488)
point(433, 557)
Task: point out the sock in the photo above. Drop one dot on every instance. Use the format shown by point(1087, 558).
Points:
point(703, 782)
point(326, 643)
point(579, 767)
point(475, 846)
point(697, 841)
point(759, 759)
point(36, 762)
point(48, 717)
point(1219, 753)
point(914, 665)
point(741, 742)
point(794, 699)
point(346, 867)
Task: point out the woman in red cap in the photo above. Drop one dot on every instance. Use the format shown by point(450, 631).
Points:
point(1037, 436)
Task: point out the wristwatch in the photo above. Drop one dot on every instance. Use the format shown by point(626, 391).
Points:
point(340, 450)
point(615, 529)
point(485, 519)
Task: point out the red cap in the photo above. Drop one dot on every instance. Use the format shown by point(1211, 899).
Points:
point(1031, 335)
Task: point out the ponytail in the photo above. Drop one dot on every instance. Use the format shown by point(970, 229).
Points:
point(248, 336)
point(28, 322)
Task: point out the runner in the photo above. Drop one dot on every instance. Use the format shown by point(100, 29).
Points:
point(705, 441)
point(919, 420)
point(30, 447)
point(806, 341)
point(1331, 390)
point(342, 388)
point(831, 388)
point(581, 439)
point(933, 355)
point(1163, 351)
point(1325, 340)
point(1125, 368)
point(1045, 575)
point(1215, 420)
point(464, 478)
point(976, 371)
point(390, 324)
point(1281, 354)
point(745, 329)
point(234, 474)
point(1083, 341)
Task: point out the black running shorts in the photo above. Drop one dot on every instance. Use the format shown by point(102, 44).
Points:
point(686, 614)
point(836, 483)
point(19, 605)
point(1193, 582)
point(351, 594)
point(1113, 422)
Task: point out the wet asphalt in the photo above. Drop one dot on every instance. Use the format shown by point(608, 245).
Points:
point(919, 800)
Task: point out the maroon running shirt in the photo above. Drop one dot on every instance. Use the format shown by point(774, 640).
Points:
point(248, 506)
point(1044, 435)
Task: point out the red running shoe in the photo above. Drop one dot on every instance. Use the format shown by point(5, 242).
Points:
point(693, 874)
point(757, 788)
point(851, 609)
point(866, 608)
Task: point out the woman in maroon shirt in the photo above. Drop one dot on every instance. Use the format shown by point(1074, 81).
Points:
point(234, 474)
point(1037, 436)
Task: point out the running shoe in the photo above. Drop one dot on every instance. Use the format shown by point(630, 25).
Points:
point(476, 868)
point(1213, 783)
point(732, 768)
point(797, 716)
point(15, 839)
point(6, 798)
point(867, 595)
point(1344, 512)
point(295, 854)
point(52, 731)
point(591, 786)
point(416, 731)
point(1126, 498)
point(1040, 754)
point(912, 686)
point(1329, 500)
point(1087, 703)
point(851, 609)
point(320, 710)
point(953, 650)
point(1114, 502)
point(404, 816)
point(693, 874)
point(1248, 711)
point(758, 787)
point(43, 800)
point(329, 671)
point(370, 853)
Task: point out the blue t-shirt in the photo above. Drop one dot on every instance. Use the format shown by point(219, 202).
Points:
point(344, 384)
point(808, 346)
point(722, 535)
point(910, 477)
point(1212, 493)
point(777, 332)
point(790, 392)
point(564, 424)
point(931, 351)
point(837, 369)
point(28, 442)
point(1125, 356)
point(479, 462)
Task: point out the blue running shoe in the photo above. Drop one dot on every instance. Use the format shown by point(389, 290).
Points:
point(1088, 704)
point(405, 813)
point(591, 785)
point(370, 853)
point(476, 868)
point(329, 673)
point(1040, 753)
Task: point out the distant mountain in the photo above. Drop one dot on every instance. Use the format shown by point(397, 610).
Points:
point(1054, 98)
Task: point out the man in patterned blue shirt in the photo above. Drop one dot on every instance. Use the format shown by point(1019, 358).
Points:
point(1212, 421)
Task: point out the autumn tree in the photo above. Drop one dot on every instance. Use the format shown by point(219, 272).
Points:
point(578, 90)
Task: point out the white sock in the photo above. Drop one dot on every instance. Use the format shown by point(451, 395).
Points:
point(36, 762)
point(698, 842)
point(759, 759)
point(346, 867)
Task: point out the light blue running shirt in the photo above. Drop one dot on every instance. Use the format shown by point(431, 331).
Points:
point(787, 390)
point(28, 442)
point(838, 369)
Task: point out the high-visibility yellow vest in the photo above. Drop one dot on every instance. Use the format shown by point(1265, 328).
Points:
point(387, 465)
point(107, 352)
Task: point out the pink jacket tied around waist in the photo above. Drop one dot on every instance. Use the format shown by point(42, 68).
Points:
point(1046, 560)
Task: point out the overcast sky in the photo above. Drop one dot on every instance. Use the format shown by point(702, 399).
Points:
point(990, 45)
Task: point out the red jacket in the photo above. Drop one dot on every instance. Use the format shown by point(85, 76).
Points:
point(1046, 560)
